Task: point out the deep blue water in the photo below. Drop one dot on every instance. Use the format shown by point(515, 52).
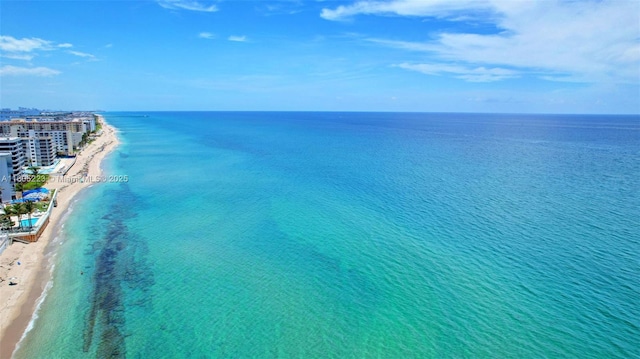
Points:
point(391, 235)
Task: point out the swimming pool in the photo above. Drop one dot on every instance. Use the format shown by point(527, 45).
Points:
point(25, 222)
point(47, 169)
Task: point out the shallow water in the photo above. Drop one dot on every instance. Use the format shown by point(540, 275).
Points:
point(353, 235)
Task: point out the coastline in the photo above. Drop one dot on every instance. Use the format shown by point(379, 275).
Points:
point(33, 273)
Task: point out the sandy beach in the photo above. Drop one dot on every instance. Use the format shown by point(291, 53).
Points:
point(33, 271)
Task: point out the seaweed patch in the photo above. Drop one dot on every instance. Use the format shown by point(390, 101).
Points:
point(120, 265)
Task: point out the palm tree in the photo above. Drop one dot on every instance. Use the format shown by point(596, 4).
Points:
point(1, 202)
point(28, 208)
point(9, 210)
point(34, 170)
point(5, 218)
point(18, 210)
point(20, 188)
point(3, 215)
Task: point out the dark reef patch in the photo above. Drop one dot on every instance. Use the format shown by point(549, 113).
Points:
point(120, 266)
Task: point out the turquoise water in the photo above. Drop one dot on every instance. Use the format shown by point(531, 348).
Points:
point(48, 169)
point(25, 222)
point(339, 235)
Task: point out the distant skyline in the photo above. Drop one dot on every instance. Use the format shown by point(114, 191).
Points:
point(433, 56)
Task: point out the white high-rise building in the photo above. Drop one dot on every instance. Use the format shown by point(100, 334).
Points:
point(6, 178)
point(40, 150)
point(14, 146)
point(65, 134)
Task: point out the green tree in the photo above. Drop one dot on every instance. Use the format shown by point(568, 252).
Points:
point(34, 170)
point(5, 218)
point(6, 222)
point(19, 188)
point(18, 210)
point(85, 139)
point(13, 210)
point(28, 208)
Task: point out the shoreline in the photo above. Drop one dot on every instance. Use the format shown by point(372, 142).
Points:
point(34, 272)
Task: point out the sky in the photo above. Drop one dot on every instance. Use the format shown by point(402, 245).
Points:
point(399, 55)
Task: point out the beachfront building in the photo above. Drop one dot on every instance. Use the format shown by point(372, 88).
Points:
point(6, 178)
point(67, 132)
point(62, 141)
point(89, 123)
point(40, 150)
point(15, 147)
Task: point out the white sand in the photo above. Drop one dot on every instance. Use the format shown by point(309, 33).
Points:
point(19, 301)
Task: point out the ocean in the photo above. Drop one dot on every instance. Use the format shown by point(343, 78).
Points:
point(342, 235)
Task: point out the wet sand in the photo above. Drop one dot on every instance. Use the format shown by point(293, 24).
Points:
point(33, 273)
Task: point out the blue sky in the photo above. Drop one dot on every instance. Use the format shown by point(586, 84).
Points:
point(410, 55)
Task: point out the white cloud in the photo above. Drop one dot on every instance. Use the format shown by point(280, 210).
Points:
point(22, 49)
point(187, 5)
point(437, 8)
point(405, 45)
point(27, 49)
point(206, 35)
point(11, 44)
point(81, 54)
point(9, 70)
point(586, 41)
point(17, 56)
point(237, 38)
point(472, 74)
